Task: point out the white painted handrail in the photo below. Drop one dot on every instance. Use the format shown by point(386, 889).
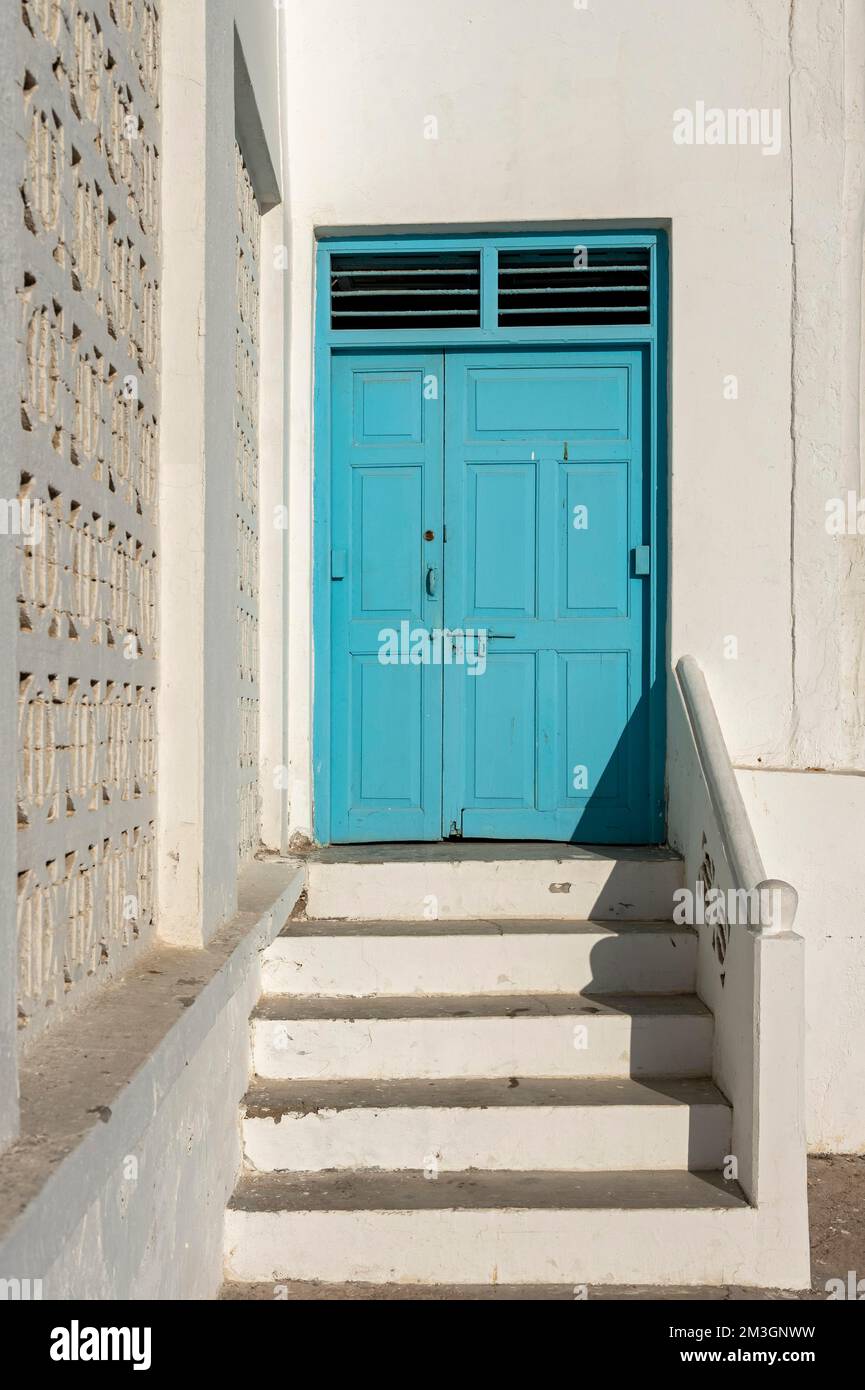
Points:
point(778, 900)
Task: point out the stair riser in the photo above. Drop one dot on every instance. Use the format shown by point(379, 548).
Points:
point(559, 1138)
point(599, 1246)
point(517, 963)
point(570, 889)
point(615, 1045)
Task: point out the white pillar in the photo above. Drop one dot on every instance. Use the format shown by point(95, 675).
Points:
point(198, 718)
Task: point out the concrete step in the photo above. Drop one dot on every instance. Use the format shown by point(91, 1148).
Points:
point(483, 1036)
point(313, 1291)
point(477, 957)
point(458, 880)
point(517, 1124)
point(487, 1228)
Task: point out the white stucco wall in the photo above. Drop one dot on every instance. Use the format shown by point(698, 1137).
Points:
point(558, 116)
point(160, 1237)
point(827, 90)
point(562, 115)
point(810, 830)
point(130, 1139)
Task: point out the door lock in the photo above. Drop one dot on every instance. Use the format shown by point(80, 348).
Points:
point(484, 637)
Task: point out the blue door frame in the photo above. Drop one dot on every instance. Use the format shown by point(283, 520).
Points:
point(649, 342)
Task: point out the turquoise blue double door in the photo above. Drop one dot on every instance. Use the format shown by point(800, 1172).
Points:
point(491, 585)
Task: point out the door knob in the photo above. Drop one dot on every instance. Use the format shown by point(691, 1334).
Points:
point(432, 581)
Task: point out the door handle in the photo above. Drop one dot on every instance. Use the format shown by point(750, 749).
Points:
point(432, 581)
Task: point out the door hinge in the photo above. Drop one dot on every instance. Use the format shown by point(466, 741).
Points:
point(642, 560)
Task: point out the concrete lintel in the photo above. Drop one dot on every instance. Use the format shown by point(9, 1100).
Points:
point(250, 134)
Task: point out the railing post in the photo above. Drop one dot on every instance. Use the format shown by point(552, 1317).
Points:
point(778, 903)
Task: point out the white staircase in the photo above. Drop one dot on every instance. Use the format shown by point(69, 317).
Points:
point(517, 1091)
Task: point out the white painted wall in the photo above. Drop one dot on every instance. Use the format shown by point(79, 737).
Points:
point(556, 115)
point(828, 212)
point(130, 1204)
point(159, 1237)
point(810, 829)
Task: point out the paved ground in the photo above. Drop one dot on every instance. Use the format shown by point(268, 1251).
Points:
point(836, 1188)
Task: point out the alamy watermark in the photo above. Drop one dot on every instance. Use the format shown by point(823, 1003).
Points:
point(22, 516)
point(852, 1288)
point(438, 646)
point(715, 907)
point(845, 516)
point(20, 1290)
point(715, 125)
point(77, 1343)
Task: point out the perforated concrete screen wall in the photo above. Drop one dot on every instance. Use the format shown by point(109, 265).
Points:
point(89, 126)
point(246, 457)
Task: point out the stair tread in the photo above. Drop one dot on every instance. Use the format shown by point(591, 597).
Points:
point(499, 926)
point(287, 1007)
point(377, 1190)
point(315, 1290)
point(486, 851)
point(273, 1099)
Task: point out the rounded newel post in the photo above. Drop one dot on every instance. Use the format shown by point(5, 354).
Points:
point(778, 902)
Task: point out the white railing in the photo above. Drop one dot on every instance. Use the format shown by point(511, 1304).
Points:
point(750, 974)
point(774, 900)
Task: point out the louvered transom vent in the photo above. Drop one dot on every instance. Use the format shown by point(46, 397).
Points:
point(574, 285)
point(406, 290)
